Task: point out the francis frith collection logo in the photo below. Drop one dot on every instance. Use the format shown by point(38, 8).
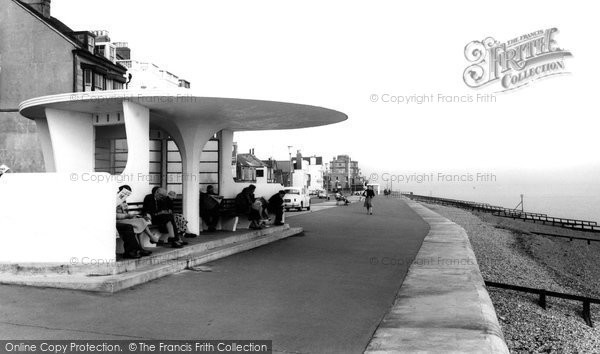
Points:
point(514, 63)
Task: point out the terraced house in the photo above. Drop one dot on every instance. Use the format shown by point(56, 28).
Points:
point(40, 55)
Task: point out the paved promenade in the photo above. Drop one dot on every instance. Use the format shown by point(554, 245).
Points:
point(325, 291)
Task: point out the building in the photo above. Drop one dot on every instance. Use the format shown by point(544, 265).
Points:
point(144, 74)
point(40, 55)
point(344, 174)
point(250, 169)
point(308, 172)
point(282, 171)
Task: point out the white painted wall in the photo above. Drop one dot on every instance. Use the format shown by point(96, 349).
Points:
point(72, 139)
point(51, 218)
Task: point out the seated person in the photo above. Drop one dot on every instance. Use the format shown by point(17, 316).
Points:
point(130, 227)
point(276, 207)
point(157, 207)
point(209, 208)
point(180, 221)
point(245, 205)
point(341, 198)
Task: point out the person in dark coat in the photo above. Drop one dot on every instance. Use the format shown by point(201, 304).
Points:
point(158, 207)
point(369, 194)
point(245, 199)
point(209, 208)
point(276, 206)
point(245, 205)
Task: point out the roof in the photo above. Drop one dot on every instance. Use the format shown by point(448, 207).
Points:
point(186, 105)
point(249, 160)
point(284, 166)
point(65, 31)
point(270, 163)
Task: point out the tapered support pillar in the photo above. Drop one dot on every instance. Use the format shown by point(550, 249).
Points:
point(194, 137)
point(71, 137)
point(137, 128)
point(46, 142)
point(227, 186)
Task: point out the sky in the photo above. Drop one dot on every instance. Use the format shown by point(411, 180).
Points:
point(338, 54)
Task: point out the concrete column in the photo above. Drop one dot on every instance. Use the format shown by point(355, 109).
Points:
point(137, 128)
point(227, 186)
point(72, 140)
point(46, 141)
point(194, 137)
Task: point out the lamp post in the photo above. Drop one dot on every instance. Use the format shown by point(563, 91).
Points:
point(291, 169)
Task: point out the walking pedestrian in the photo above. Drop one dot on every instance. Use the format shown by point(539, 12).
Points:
point(369, 194)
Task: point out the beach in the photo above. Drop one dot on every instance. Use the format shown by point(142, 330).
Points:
point(507, 254)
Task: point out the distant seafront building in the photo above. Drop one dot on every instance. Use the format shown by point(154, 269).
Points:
point(344, 174)
point(40, 55)
point(308, 172)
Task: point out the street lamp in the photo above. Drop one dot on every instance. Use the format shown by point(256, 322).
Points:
point(290, 174)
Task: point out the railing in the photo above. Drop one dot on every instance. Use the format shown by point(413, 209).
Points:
point(545, 293)
point(573, 224)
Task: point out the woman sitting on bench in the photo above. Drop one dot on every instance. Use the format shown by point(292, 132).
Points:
point(139, 224)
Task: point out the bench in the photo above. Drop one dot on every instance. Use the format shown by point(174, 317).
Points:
point(135, 208)
point(229, 217)
point(229, 220)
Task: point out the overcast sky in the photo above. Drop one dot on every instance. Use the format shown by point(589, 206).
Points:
point(337, 54)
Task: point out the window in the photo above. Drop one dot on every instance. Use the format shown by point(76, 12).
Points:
point(111, 155)
point(174, 168)
point(260, 173)
point(155, 162)
point(91, 42)
point(99, 82)
point(117, 85)
point(100, 50)
point(113, 54)
point(87, 80)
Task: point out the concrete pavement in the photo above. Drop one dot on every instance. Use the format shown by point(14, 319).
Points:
point(443, 305)
point(326, 291)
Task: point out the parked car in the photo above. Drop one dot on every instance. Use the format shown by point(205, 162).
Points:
point(295, 198)
point(322, 194)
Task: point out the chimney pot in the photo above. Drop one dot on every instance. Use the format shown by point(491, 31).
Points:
point(41, 6)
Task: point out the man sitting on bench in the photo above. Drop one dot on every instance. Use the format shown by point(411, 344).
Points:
point(276, 207)
point(244, 205)
point(209, 208)
point(157, 207)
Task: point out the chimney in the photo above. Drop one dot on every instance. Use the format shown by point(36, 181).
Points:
point(298, 160)
point(41, 6)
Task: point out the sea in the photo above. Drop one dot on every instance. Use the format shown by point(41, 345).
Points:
point(559, 194)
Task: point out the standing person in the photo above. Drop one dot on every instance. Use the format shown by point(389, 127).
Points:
point(276, 207)
point(369, 194)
